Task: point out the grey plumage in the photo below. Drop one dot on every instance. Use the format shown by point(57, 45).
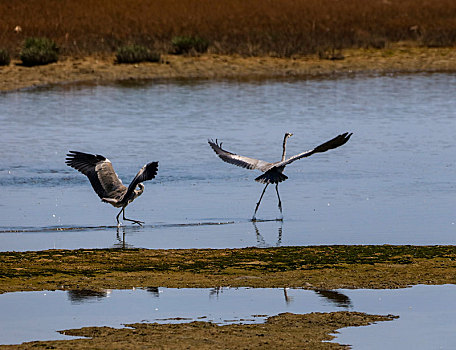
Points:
point(273, 172)
point(105, 181)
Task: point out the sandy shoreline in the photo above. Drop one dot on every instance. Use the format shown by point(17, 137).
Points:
point(102, 70)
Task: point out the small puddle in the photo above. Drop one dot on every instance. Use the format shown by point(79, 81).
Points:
point(426, 312)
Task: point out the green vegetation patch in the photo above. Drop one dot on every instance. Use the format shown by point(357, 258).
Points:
point(39, 51)
point(136, 54)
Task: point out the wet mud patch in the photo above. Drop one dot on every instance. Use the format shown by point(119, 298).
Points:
point(288, 330)
point(317, 267)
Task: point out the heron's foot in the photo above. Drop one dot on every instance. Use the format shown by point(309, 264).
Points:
point(140, 223)
point(254, 219)
point(279, 218)
point(119, 224)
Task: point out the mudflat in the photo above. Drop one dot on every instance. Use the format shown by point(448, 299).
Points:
point(317, 267)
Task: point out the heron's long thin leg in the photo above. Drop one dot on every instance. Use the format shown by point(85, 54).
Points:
point(117, 217)
point(258, 204)
point(280, 202)
point(134, 221)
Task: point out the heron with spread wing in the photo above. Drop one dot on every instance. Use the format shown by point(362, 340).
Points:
point(107, 184)
point(273, 172)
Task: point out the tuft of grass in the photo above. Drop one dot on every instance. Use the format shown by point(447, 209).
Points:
point(188, 44)
point(39, 51)
point(135, 54)
point(5, 58)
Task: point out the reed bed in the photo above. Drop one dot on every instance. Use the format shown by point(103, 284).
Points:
point(247, 27)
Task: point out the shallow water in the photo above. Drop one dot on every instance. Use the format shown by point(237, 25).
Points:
point(426, 312)
point(393, 182)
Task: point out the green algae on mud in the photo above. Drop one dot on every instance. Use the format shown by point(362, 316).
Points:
point(357, 266)
point(309, 331)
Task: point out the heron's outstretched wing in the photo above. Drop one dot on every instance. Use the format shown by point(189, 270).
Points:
point(100, 172)
point(146, 173)
point(245, 162)
point(333, 143)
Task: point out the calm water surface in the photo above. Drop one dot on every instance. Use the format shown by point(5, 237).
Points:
point(426, 313)
point(393, 182)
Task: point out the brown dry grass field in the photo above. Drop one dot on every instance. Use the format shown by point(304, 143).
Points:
point(280, 28)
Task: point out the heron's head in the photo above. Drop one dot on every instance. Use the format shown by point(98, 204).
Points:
point(288, 134)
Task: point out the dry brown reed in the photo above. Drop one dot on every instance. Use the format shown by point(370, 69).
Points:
point(246, 27)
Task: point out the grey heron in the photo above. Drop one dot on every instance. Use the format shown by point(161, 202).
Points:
point(273, 172)
point(107, 184)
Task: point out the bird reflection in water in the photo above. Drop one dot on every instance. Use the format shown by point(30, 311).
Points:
point(335, 297)
point(261, 242)
point(288, 299)
point(215, 292)
point(154, 291)
point(79, 296)
point(121, 243)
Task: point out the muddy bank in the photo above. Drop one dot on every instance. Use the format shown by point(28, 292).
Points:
point(326, 267)
point(283, 331)
point(99, 70)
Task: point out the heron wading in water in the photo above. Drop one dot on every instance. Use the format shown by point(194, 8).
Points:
point(273, 172)
point(107, 184)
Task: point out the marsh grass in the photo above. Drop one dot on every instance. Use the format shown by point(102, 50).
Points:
point(189, 44)
point(5, 57)
point(135, 54)
point(247, 27)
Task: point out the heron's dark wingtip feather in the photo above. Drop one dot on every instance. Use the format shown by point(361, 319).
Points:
point(150, 171)
point(333, 143)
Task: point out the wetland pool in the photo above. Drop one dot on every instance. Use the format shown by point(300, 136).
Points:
point(426, 313)
point(393, 182)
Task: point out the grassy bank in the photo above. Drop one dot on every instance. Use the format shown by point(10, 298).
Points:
point(102, 70)
point(247, 27)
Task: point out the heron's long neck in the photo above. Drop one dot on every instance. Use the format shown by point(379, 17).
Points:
point(284, 148)
point(140, 191)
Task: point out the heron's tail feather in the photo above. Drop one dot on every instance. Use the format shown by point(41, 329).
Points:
point(271, 177)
